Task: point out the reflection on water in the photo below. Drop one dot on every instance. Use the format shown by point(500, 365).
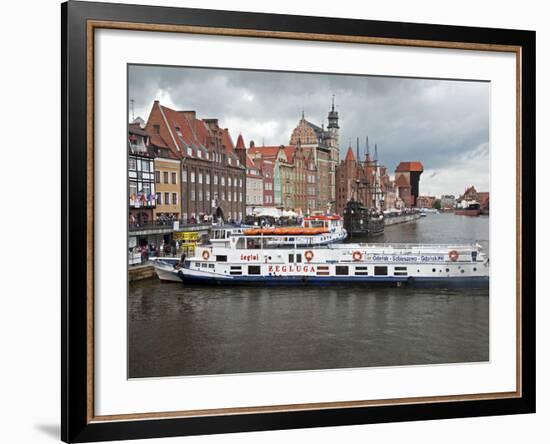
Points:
point(177, 330)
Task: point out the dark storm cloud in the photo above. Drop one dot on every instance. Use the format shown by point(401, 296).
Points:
point(438, 122)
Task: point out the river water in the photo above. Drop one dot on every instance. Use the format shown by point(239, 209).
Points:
point(175, 330)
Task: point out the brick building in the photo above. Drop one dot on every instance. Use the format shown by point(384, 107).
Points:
point(348, 177)
point(365, 181)
point(266, 169)
point(407, 179)
point(211, 172)
point(482, 197)
point(425, 201)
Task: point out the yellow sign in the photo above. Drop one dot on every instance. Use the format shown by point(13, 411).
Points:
point(186, 236)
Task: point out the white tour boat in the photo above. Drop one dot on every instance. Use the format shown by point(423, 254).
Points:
point(236, 256)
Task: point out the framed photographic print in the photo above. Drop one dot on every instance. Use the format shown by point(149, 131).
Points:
point(276, 221)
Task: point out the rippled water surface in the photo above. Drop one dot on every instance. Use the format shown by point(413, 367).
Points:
point(176, 330)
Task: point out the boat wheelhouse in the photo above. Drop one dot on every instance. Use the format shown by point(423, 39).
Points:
point(261, 259)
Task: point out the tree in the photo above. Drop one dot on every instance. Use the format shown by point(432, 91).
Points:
point(437, 204)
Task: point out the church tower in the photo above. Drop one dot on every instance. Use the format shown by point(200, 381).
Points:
point(334, 145)
point(334, 131)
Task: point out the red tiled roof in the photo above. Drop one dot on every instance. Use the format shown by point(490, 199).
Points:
point(402, 182)
point(350, 156)
point(240, 143)
point(158, 141)
point(290, 152)
point(271, 152)
point(134, 128)
point(228, 142)
point(409, 166)
point(265, 151)
point(250, 163)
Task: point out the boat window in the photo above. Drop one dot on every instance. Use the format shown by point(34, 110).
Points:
point(298, 258)
point(210, 265)
point(342, 270)
point(380, 270)
point(221, 258)
point(400, 271)
point(253, 269)
point(253, 244)
point(291, 258)
point(241, 244)
point(361, 271)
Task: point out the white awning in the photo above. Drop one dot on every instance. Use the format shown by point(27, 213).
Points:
point(289, 213)
point(267, 212)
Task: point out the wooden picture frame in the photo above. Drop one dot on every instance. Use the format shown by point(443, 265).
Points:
point(79, 22)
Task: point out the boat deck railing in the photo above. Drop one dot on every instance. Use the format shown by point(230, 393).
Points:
point(386, 247)
point(405, 246)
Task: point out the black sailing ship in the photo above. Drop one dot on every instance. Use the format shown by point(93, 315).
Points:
point(361, 221)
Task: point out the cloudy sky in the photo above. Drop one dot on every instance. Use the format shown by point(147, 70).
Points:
point(442, 123)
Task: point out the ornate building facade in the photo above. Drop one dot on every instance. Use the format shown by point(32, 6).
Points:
point(323, 147)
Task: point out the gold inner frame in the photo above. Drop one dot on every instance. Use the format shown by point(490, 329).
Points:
point(92, 25)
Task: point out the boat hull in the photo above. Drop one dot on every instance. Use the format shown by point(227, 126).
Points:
point(365, 281)
point(468, 212)
point(165, 270)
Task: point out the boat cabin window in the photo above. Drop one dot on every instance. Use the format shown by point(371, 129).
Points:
point(291, 258)
point(235, 270)
point(400, 271)
point(221, 258)
point(219, 234)
point(253, 269)
point(253, 244)
point(342, 270)
point(298, 258)
point(361, 271)
point(380, 270)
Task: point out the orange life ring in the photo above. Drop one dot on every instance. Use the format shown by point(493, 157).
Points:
point(205, 255)
point(453, 255)
point(357, 256)
point(308, 255)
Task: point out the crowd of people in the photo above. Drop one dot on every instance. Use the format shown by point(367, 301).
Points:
point(165, 249)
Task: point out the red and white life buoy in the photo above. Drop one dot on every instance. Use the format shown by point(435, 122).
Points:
point(357, 256)
point(308, 255)
point(205, 255)
point(453, 255)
